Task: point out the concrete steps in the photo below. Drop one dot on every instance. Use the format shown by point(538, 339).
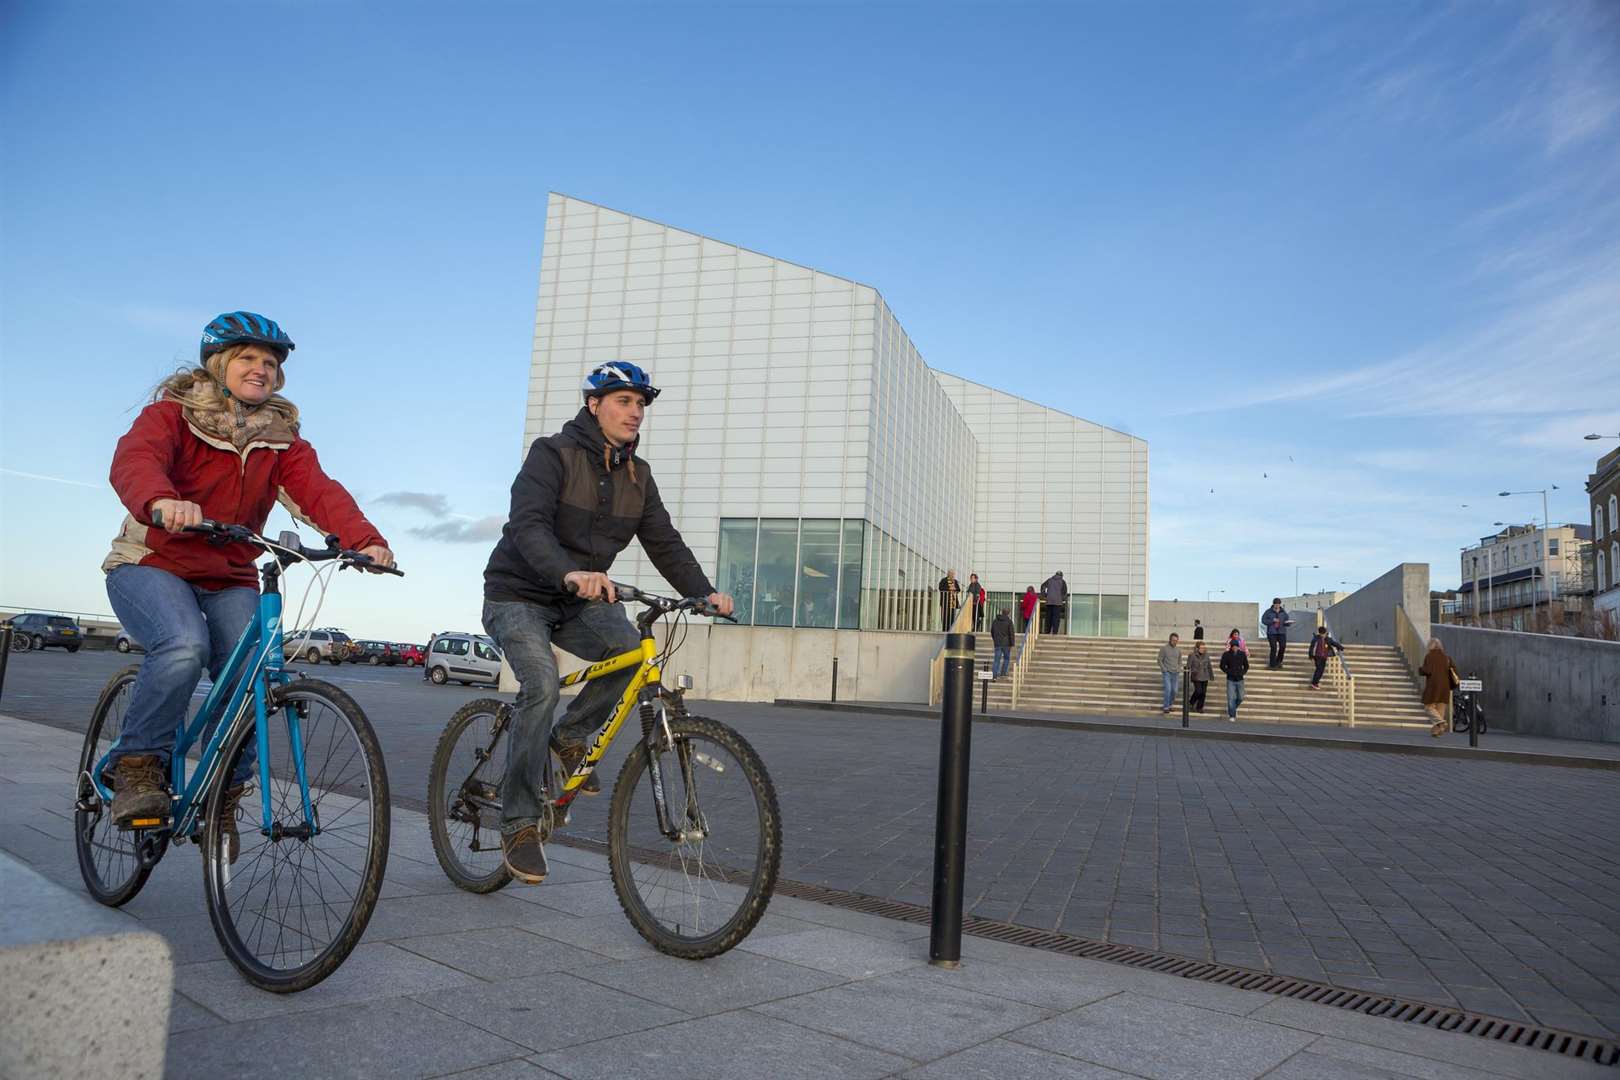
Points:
point(1120, 677)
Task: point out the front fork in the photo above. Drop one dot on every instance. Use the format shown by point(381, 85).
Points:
point(658, 740)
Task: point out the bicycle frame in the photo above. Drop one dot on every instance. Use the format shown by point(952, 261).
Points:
point(254, 666)
point(648, 674)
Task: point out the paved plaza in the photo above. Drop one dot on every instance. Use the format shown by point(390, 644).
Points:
point(1489, 885)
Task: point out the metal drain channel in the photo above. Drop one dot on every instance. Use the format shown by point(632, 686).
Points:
point(1442, 1018)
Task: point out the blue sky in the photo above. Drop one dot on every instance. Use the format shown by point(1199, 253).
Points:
point(1351, 266)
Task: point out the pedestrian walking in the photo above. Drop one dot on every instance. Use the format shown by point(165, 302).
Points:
point(1170, 669)
point(1235, 665)
point(1276, 621)
point(975, 593)
point(1001, 636)
point(1236, 636)
point(1198, 630)
point(1323, 645)
point(1439, 680)
point(950, 598)
point(1199, 674)
point(1026, 608)
point(1055, 595)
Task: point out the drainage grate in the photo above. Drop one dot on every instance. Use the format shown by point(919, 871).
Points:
point(1567, 1043)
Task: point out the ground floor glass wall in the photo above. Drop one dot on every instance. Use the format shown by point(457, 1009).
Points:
point(793, 571)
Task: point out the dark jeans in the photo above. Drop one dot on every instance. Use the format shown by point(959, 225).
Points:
point(1002, 661)
point(184, 629)
point(525, 632)
point(1054, 618)
point(1196, 701)
point(1279, 645)
point(1321, 666)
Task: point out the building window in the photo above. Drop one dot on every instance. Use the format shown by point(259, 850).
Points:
point(1116, 616)
point(1552, 545)
point(1614, 515)
point(818, 573)
point(1614, 563)
point(849, 576)
point(1597, 520)
point(1083, 615)
point(738, 540)
point(1600, 578)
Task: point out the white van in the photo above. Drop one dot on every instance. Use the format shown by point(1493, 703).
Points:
point(466, 658)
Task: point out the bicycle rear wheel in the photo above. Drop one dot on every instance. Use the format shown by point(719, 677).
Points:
point(295, 902)
point(699, 895)
point(109, 859)
point(464, 785)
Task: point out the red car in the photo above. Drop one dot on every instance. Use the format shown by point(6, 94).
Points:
point(411, 654)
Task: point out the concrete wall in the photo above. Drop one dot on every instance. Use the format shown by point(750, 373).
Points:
point(763, 663)
point(1167, 616)
point(1541, 684)
point(1367, 616)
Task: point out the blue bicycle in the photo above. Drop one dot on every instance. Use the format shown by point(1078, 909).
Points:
point(291, 898)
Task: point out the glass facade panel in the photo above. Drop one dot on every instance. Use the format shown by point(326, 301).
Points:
point(777, 573)
point(736, 576)
point(1116, 616)
point(849, 579)
point(818, 573)
point(1083, 614)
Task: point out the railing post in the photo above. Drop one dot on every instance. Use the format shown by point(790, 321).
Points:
point(1186, 678)
point(950, 824)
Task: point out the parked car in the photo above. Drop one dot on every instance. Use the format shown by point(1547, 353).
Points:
point(374, 653)
point(313, 646)
point(43, 631)
point(410, 655)
point(466, 658)
point(125, 643)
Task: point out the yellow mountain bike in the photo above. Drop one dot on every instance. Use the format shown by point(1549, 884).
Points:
point(694, 833)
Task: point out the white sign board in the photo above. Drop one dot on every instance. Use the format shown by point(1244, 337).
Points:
point(986, 674)
point(1475, 685)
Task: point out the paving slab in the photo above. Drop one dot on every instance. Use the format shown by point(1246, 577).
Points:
point(551, 1011)
point(1000, 1059)
point(731, 981)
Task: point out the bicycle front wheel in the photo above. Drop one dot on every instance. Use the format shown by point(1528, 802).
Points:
point(296, 899)
point(109, 859)
point(464, 790)
point(699, 894)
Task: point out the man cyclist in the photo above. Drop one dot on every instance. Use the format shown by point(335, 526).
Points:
point(580, 498)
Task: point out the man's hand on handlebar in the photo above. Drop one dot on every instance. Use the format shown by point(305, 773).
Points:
point(175, 515)
point(722, 603)
point(591, 586)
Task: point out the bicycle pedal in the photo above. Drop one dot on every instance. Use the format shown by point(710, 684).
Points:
point(144, 823)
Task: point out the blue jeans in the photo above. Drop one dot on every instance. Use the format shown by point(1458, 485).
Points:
point(1001, 662)
point(1170, 678)
point(184, 628)
point(1234, 697)
point(525, 632)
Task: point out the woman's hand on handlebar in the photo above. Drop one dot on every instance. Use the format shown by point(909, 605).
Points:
point(380, 555)
point(175, 514)
point(591, 586)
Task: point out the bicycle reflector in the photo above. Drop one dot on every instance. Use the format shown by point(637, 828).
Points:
point(683, 682)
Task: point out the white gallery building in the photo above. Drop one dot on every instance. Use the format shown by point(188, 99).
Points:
point(819, 469)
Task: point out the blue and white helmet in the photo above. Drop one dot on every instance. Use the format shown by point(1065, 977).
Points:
point(244, 327)
point(618, 375)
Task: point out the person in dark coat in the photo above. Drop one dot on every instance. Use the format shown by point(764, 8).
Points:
point(1439, 680)
point(1323, 646)
point(1276, 621)
point(1198, 630)
point(1001, 636)
point(950, 598)
point(976, 594)
point(1235, 665)
point(1198, 674)
point(1055, 595)
point(1026, 608)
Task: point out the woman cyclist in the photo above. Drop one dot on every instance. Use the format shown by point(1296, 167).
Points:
point(219, 443)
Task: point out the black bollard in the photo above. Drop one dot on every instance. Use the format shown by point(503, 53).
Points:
point(5, 655)
point(984, 696)
point(1473, 721)
point(950, 824)
point(835, 679)
point(1185, 672)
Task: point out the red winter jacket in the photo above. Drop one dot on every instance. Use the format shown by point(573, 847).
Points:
point(164, 456)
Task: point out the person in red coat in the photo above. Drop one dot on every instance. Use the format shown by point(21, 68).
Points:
point(1026, 608)
point(218, 442)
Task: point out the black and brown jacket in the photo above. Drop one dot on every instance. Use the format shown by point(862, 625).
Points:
point(577, 503)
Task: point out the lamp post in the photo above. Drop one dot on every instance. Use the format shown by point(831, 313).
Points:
point(1595, 438)
point(1297, 569)
point(1540, 569)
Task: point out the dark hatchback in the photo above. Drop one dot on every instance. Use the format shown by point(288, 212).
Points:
point(374, 653)
point(47, 631)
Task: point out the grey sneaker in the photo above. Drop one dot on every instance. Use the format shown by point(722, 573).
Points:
point(523, 856)
point(571, 756)
point(140, 793)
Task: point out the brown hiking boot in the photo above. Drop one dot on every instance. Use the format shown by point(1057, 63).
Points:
point(523, 856)
point(230, 840)
point(140, 792)
point(571, 756)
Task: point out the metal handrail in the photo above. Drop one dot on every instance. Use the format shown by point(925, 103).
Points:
point(961, 623)
point(1026, 652)
point(1340, 678)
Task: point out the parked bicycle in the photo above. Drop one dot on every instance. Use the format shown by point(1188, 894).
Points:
point(291, 902)
point(694, 833)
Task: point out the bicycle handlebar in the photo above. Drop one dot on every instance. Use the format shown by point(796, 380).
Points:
point(698, 605)
point(214, 530)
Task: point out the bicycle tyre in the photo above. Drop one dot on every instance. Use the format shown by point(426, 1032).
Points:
point(364, 842)
point(485, 875)
point(108, 861)
point(626, 851)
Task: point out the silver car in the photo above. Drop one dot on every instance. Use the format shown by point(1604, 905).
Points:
point(466, 658)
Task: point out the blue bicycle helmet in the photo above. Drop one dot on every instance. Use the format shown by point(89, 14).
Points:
point(618, 375)
point(244, 327)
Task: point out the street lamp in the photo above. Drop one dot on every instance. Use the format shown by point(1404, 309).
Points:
point(1297, 569)
point(1541, 550)
point(1594, 438)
